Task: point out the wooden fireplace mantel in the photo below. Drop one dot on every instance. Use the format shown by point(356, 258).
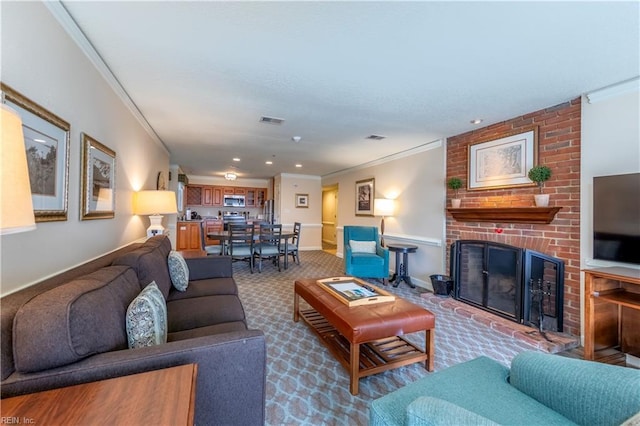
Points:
point(505, 214)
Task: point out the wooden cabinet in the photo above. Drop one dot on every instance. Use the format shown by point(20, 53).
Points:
point(208, 195)
point(217, 196)
point(261, 196)
point(194, 195)
point(612, 310)
point(250, 197)
point(234, 190)
point(188, 237)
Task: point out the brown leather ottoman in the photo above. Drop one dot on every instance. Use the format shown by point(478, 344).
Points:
point(365, 339)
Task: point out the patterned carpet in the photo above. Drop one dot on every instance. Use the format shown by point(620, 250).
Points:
point(305, 384)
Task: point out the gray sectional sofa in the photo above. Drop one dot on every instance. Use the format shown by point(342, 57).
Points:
point(70, 329)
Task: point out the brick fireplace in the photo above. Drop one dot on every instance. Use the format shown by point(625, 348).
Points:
point(558, 148)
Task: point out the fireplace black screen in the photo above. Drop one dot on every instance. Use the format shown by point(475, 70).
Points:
point(521, 285)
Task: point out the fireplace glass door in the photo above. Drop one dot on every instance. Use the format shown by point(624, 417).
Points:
point(489, 276)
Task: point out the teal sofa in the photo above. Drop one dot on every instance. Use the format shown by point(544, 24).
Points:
point(539, 389)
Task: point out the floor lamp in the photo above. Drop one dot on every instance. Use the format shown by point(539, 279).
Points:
point(383, 207)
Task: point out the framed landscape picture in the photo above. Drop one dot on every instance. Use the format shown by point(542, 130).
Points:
point(46, 139)
point(365, 190)
point(503, 162)
point(98, 180)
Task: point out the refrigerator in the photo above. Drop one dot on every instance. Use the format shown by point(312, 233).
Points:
point(267, 211)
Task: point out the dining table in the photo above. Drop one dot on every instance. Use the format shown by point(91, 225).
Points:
point(224, 238)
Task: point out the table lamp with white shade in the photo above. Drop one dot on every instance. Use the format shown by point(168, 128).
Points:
point(155, 204)
point(16, 205)
point(383, 207)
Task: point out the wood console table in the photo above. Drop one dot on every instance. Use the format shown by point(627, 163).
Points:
point(160, 397)
point(612, 310)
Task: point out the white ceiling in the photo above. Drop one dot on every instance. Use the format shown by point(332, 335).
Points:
point(203, 73)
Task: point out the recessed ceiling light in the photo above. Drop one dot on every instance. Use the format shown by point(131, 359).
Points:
point(236, 159)
point(298, 165)
point(296, 139)
point(476, 121)
point(268, 162)
point(375, 137)
point(271, 120)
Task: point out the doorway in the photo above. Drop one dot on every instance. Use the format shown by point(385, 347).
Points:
point(329, 219)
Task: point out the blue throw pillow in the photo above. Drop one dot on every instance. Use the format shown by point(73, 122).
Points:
point(178, 270)
point(147, 318)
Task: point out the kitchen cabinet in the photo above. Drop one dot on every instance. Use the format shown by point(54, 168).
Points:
point(261, 196)
point(207, 195)
point(250, 197)
point(210, 195)
point(194, 195)
point(188, 237)
point(217, 196)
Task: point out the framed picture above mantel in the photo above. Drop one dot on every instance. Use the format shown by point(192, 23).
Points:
point(503, 162)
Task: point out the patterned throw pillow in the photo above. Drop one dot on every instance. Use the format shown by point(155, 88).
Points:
point(362, 246)
point(147, 318)
point(178, 270)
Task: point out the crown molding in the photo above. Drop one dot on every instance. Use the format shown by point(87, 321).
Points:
point(67, 22)
point(614, 90)
point(402, 154)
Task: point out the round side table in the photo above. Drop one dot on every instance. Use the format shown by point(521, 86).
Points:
point(402, 269)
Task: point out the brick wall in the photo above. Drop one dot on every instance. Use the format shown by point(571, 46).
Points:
point(558, 148)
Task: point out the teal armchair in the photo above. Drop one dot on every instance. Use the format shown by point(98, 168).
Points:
point(363, 255)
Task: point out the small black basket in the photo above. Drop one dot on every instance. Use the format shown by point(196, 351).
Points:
point(442, 284)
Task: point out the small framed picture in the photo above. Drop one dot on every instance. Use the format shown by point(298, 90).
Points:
point(302, 201)
point(98, 180)
point(365, 191)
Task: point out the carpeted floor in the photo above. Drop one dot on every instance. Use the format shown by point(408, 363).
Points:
point(305, 384)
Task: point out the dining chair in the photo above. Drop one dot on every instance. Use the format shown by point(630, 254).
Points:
point(292, 246)
point(268, 244)
point(211, 249)
point(241, 243)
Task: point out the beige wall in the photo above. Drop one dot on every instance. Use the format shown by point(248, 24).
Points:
point(416, 181)
point(41, 61)
point(610, 146)
point(288, 185)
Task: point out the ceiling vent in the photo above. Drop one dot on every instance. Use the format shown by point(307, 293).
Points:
point(375, 137)
point(271, 120)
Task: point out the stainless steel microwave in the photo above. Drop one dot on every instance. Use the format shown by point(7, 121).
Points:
point(233, 201)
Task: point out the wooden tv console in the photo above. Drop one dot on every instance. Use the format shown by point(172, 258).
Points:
point(612, 310)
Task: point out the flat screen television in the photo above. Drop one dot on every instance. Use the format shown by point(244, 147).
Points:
point(616, 218)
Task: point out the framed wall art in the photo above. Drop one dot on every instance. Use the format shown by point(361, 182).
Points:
point(46, 138)
point(365, 191)
point(302, 201)
point(98, 180)
point(503, 162)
